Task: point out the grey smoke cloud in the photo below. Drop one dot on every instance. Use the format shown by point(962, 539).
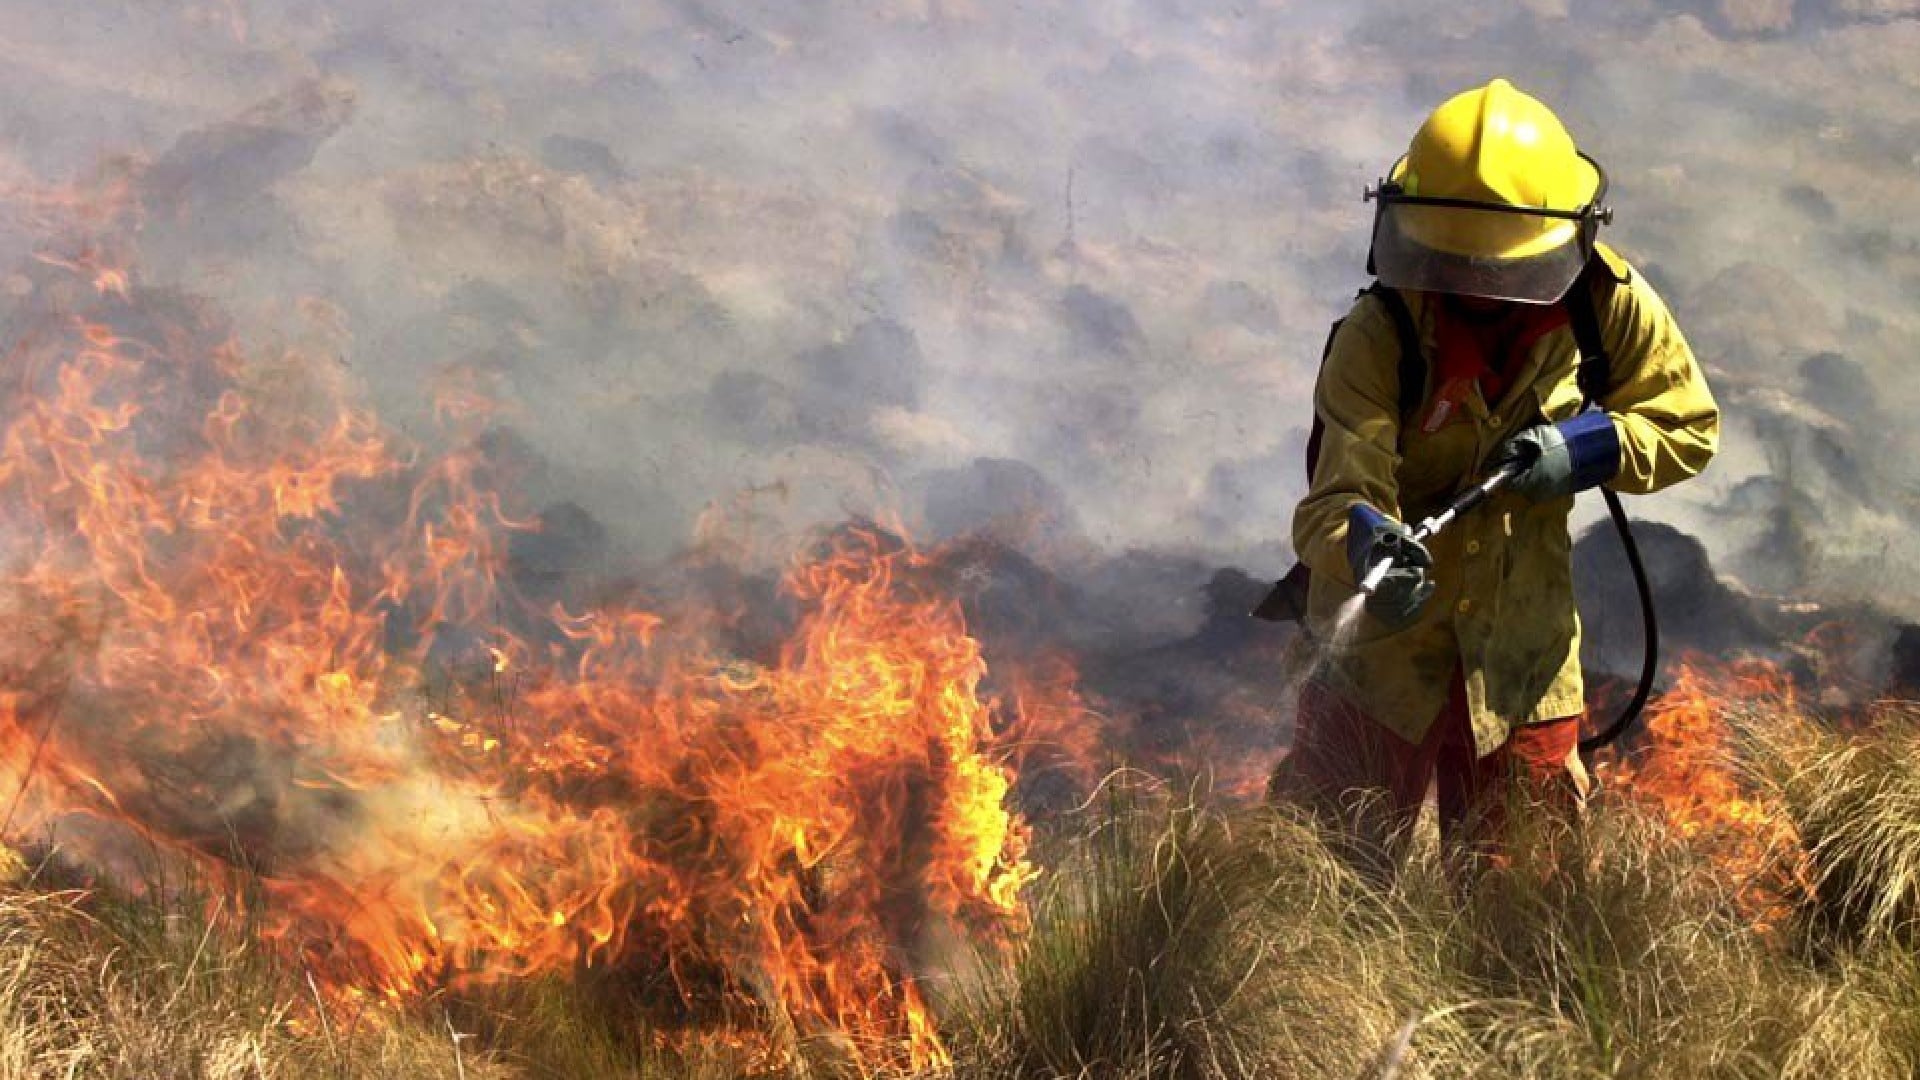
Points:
point(1074, 258)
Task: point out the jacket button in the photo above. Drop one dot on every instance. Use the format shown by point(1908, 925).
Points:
point(1464, 606)
point(1473, 547)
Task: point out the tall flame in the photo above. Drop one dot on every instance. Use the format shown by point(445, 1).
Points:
point(252, 629)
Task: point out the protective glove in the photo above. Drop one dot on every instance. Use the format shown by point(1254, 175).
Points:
point(1373, 536)
point(1559, 459)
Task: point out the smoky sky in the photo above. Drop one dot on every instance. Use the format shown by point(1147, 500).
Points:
point(1063, 270)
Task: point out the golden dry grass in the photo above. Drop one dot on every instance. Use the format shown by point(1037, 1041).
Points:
point(1173, 941)
point(128, 990)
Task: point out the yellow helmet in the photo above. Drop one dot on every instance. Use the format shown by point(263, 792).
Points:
point(1491, 199)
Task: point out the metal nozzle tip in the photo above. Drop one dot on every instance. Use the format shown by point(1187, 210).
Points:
point(1375, 576)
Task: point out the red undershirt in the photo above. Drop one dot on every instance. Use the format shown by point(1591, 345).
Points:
point(1472, 349)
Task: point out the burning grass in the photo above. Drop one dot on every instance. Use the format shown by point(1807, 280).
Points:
point(254, 634)
point(114, 988)
point(1167, 939)
point(97, 983)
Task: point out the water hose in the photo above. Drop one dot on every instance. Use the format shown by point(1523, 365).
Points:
point(1650, 623)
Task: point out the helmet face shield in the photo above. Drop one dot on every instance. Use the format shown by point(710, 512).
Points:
point(1470, 247)
point(1528, 257)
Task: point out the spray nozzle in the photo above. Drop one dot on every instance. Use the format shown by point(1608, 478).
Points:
point(1427, 529)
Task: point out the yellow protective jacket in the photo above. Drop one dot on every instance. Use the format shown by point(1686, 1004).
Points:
point(1502, 612)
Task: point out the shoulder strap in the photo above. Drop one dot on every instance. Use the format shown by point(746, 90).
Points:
point(1413, 366)
point(1595, 374)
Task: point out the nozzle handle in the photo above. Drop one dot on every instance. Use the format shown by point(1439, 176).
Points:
point(1467, 500)
point(1375, 576)
point(1427, 529)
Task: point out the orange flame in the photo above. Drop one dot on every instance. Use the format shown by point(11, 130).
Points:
point(1688, 773)
point(263, 633)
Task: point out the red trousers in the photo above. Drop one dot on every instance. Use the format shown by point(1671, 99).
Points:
point(1345, 766)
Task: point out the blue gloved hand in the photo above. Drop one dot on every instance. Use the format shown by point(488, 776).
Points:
point(1372, 537)
point(1560, 459)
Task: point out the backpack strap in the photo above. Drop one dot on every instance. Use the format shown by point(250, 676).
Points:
point(1595, 374)
point(1412, 365)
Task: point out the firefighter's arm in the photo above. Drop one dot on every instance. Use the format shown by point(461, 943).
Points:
point(1356, 400)
point(1668, 423)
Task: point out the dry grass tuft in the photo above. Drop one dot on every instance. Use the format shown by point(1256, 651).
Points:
point(1854, 798)
point(1177, 942)
point(99, 987)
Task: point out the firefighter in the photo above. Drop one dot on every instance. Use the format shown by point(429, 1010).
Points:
point(1463, 668)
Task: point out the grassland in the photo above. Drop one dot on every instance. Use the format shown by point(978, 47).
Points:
point(1172, 940)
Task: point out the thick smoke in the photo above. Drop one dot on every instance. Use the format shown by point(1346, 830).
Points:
point(1063, 271)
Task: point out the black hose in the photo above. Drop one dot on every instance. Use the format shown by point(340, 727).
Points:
point(1650, 666)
